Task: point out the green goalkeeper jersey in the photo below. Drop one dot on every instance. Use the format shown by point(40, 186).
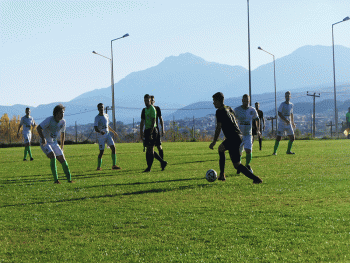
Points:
point(348, 116)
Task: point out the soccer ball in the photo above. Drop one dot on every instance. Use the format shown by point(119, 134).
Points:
point(211, 175)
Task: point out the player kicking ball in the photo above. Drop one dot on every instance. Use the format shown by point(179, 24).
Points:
point(285, 124)
point(48, 131)
point(226, 121)
point(27, 122)
point(148, 120)
point(102, 128)
point(245, 115)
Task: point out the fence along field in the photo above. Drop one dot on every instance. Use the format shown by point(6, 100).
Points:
point(299, 213)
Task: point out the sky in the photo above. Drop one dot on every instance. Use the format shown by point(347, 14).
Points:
point(46, 46)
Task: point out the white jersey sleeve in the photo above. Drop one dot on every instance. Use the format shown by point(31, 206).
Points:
point(52, 129)
point(245, 117)
point(286, 109)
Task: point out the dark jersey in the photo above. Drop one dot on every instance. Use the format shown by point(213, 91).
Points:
point(159, 114)
point(261, 116)
point(226, 117)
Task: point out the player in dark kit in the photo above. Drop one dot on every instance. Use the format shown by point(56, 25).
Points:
point(226, 121)
point(261, 125)
point(160, 118)
point(148, 119)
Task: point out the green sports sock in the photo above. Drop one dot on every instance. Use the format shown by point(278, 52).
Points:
point(99, 162)
point(277, 143)
point(30, 152)
point(54, 169)
point(248, 158)
point(67, 171)
point(25, 152)
point(290, 144)
point(114, 158)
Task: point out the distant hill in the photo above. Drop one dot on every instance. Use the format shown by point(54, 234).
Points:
point(188, 81)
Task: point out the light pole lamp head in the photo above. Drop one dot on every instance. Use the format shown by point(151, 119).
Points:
point(260, 48)
point(346, 18)
point(126, 35)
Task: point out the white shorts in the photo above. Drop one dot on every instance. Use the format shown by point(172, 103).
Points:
point(103, 139)
point(27, 137)
point(247, 143)
point(283, 127)
point(51, 147)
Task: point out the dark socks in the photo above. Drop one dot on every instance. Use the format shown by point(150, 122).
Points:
point(149, 159)
point(244, 170)
point(161, 154)
point(222, 160)
point(158, 157)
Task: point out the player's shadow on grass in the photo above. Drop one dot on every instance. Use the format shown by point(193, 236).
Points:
point(159, 190)
point(141, 183)
point(44, 178)
point(195, 162)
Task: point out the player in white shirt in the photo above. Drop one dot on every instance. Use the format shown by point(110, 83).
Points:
point(48, 131)
point(102, 128)
point(245, 115)
point(27, 122)
point(285, 124)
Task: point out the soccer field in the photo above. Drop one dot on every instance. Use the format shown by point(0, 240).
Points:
point(300, 213)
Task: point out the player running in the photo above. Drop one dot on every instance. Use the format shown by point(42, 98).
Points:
point(261, 124)
point(27, 122)
point(225, 120)
point(161, 122)
point(148, 120)
point(102, 128)
point(48, 131)
point(245, 115)
point(285, 124)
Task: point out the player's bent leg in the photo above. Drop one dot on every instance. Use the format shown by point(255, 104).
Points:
point(149, 158)
point(244, 170)
point(290, 144)
point(222, 160)
point(99, 160)
point(65, 167)
point(248, 157)
point(277, 143)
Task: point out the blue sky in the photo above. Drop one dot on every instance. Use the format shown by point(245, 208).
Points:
point(46, 46)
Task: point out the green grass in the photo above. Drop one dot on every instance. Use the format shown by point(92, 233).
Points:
point(299, 214)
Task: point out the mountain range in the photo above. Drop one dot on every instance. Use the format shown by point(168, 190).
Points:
point(187, 82)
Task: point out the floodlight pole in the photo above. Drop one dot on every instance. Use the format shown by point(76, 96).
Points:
point(112, 81)
point(335, 92)
point(274, 76)
point(250, 83)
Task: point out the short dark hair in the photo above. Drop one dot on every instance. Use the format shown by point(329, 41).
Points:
point(58, 108)
point(146, 96)
point(257, 103)
point(27, 108)
point(246, 95)
point(219, 96)
point(99, 104)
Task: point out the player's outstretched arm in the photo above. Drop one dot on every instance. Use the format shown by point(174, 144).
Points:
point(113, 131)
point(40, 132)
point(19, 129)
point(141, 128)
point(216, 135)
point(63, 137)
point(162, 123)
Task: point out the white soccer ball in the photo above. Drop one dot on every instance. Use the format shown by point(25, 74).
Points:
point(211, 175)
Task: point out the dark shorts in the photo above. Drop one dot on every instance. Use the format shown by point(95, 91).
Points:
point(150, 141)
point(232, 145)
point(158, 140)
